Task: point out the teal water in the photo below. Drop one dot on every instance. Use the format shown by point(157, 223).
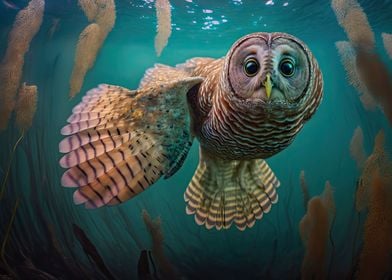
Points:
point(272, 249)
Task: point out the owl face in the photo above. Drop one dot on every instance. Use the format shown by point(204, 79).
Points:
point(272, 69)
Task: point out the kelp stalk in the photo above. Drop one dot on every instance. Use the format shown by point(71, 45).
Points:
point(314, 230)
point(91, 39)
point(27, 23)
point(387, 40)
point(25, 111)
point(163, 12)
point(154, 228)
point(6, 237)
point(357, 149)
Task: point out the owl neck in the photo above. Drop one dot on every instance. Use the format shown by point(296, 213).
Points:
point(235, 130)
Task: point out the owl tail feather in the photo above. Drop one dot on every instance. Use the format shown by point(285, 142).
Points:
point(225, 191)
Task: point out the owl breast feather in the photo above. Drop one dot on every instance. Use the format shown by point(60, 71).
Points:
point(228, 129)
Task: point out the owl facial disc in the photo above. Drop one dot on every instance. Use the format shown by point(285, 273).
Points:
point(268, 68)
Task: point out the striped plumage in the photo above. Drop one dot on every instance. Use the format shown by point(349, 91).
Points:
point(121, 141)
point(234, 132)
point(223, 192)
point(118, 142)
point(249, 130)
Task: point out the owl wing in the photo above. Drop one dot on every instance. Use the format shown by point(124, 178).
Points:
point(120, 141)
point(195, 65)
point(161, 73)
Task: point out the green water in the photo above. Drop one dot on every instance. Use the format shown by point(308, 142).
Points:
point(272, 249)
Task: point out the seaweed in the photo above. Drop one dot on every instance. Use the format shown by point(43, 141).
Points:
point(330, 203)
point(91, 251)
point(154, 228)
point(377, 78)
point(368, 66)
point(163, 12)
point(90, 8)
point(374, 260)
point(25, 111)
point(356, 231)
point(375, 194)
point(387, 40)
point(143, 268)
point(315, 230)
point(5, 240)
point(53, 28)
point(27, 23)
point(304, 189)
point(357, 149)
point(349, 60)
point(103, 12)
point(4, 182)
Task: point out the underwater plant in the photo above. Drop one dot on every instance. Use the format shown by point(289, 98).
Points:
point(387, 40)
point(86, 52)
point(353, 19)
point(348, 58)
point(54, 27)
point(374, 260)
point(163, 12)
point(304, 189)
point(377, 161)
point(377, 78)
point(154, 228)
point(91, 39)
point(27, 23)
point(90, 8)
point(374, 193)
point(4, 241)
point(144, 270)
point(372, 71)
point(106, 16)
point(25, 108)
point(315, 231)
point(357, 149)
point(91, 251)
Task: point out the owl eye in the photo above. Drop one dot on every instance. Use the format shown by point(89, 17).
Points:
point(286, 67)
point(251, 67)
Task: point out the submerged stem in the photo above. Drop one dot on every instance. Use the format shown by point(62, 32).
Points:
point(6, 237)
point(332, 247)
point(3, 185)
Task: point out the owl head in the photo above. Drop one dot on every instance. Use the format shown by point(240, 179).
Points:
point(272, 72)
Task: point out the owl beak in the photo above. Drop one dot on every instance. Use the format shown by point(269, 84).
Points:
point(268, 86)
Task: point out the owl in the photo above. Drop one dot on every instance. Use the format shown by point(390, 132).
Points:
point(242, 108)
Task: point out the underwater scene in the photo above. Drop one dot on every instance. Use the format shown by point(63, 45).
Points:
point(195, 139)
